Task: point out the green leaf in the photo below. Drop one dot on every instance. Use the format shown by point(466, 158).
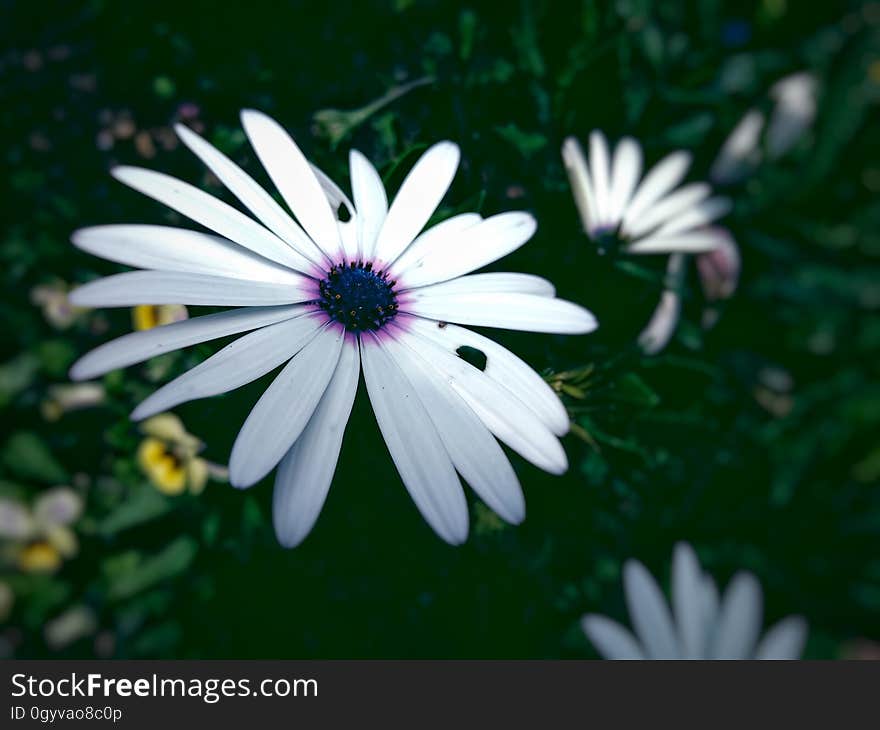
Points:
point(141, 505)
point(166, 564)
point(26, 456)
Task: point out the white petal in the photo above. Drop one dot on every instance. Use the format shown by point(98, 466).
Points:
point(741, 151)
point(370, 201)
point(305, 473)
point(671, 206)
point(414, 444)
point(581, 186)
point(502, 413)
point(649, 612)
point(294, 178)
point(504, 310)
point(240, 362)
point(710, 605)
point(687, 602)
point(348, 235)
point(475, 247)
point(785, 640)
point(169, 287)
point(161, 248)
point(702, 214)
point(504, 368)
point(489, 283)
point(212, 213)
point(472, 448)
point(611, 639)
point(418, 198)
point(138, 346)
point(664, 321)
point(283, 411)
point(600, 175)
point(705, 239)
point(348, 228)
point(249, 192)
point(662, 178)
point(625, 171)
point(739, 620)
point(443, 234)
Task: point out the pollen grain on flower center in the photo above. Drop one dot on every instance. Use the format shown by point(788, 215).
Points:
point(358, 296)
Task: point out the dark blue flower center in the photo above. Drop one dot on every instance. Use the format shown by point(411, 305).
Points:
point(358, 297)
point(608, 240)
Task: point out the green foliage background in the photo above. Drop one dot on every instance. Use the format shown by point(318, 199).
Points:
point(756, 441)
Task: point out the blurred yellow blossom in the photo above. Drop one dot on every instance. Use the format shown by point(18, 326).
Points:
point(168, 455)
point(147, 316)
point(40, 538)
point(39, 557)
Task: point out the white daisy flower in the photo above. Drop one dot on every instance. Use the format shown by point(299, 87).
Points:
point(795, 104)
point(700, 625)
point(651, 214)
point(323, 297)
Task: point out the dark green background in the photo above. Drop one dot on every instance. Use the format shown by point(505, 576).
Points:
point(791, 496)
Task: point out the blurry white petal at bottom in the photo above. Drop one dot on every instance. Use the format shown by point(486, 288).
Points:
point(785, 640)
point(611, 639)
point(649, 612)
point(687, 601)
point(739, 621)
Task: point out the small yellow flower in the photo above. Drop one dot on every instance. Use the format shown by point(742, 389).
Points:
point(39, 536)
point(168, 455)
point(166, 472)
point(39, 557)
point(147, 316)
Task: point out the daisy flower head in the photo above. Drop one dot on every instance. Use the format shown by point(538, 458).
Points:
point(343, 285)
point(701, 625)
point(622, 211)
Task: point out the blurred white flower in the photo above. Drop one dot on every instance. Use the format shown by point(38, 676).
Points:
point(64, 398)
point(741, 152)
point(794, 111)
point(55, 304)
point(73, 624)
point(650, 214)
point(700, 625)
